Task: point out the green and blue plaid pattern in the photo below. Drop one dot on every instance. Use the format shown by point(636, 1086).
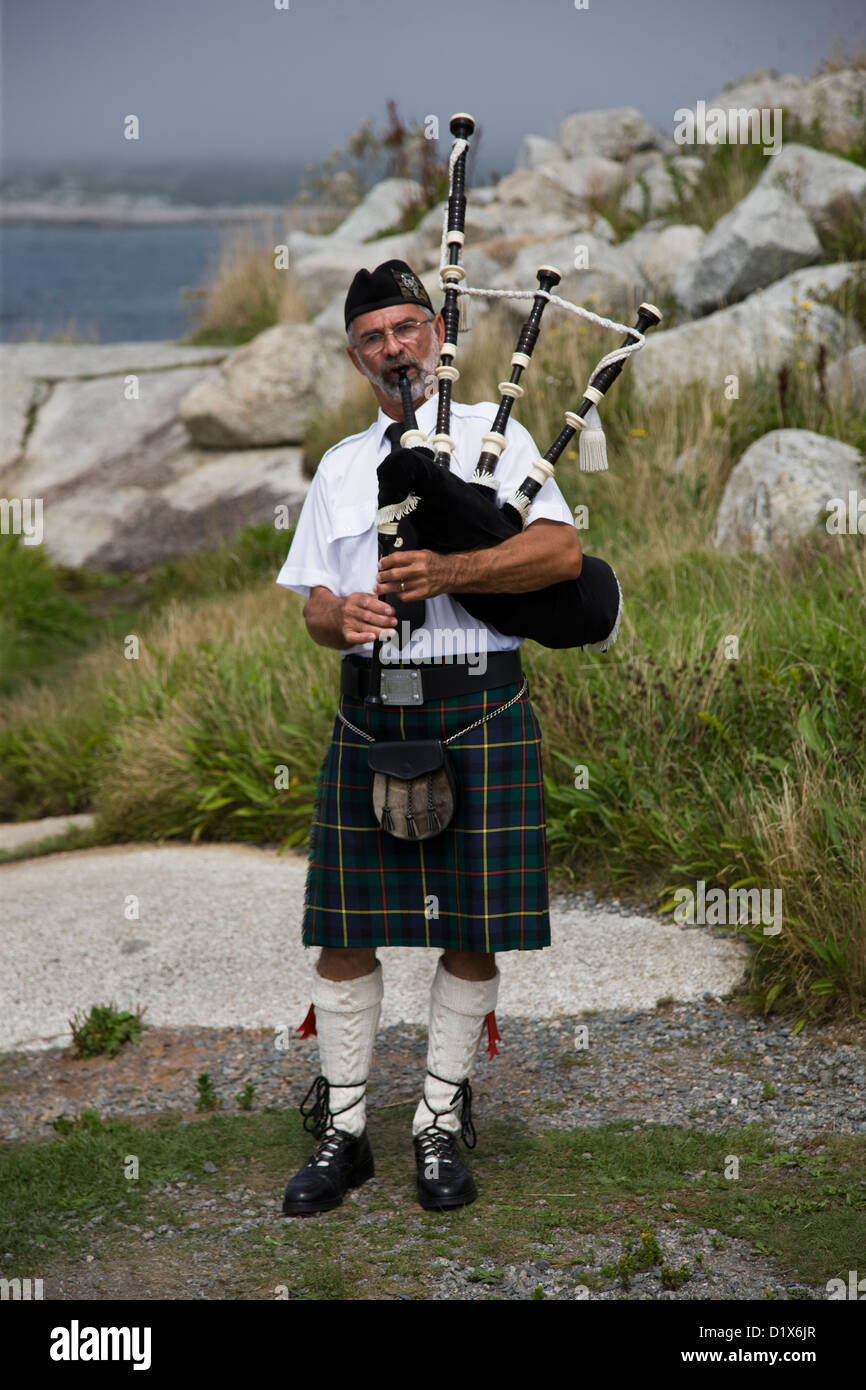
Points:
point(481, 885)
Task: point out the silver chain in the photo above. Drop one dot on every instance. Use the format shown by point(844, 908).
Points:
point(469, 727)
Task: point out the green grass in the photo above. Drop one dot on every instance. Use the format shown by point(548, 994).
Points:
point(263, 312)
point(75, 838)
point(635, 1258)
point(50, 614)
point(850, 298)
point(245, 1098)
point(42, 618)
point(327, 428)
point(806, 1210)
point(813, 134)
point(104, 1030)
point(207, 1098)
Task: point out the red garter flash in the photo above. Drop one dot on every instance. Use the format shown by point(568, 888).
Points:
point(493, 1035)
point(308, 1027)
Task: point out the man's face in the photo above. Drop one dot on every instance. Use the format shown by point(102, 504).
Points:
point(403, 335)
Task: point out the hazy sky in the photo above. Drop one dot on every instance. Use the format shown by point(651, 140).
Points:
point(241, 79)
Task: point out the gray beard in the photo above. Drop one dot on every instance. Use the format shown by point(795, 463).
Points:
point(426, 368)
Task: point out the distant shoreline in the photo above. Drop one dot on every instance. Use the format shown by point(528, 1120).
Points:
point(142, 212)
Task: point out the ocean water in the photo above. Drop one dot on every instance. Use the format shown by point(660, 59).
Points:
point(118, 283)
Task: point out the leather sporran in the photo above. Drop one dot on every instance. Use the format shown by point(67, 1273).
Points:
point(414, 787)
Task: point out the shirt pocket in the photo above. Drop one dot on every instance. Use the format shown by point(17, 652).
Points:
point(353, 521)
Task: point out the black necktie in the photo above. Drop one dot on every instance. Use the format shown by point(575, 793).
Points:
point(415, 612)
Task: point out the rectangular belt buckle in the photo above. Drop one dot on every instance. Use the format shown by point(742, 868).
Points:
point(401, 687)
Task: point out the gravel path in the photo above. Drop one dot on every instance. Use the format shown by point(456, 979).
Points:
point(216, 943)
point(14, 834)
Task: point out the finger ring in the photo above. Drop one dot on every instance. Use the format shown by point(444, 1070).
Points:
point(402, 585)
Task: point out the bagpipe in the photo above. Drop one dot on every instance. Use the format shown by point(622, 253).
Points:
point(422, 504)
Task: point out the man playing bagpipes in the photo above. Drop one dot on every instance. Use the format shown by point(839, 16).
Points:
point(429, 822)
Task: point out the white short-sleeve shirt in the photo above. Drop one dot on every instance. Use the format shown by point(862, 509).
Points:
point(336, 541)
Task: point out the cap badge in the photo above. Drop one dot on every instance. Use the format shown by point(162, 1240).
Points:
point(409, 285)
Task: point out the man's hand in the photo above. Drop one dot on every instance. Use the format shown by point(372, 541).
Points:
point(545, 553)
point(365, 618)
point(423, 573)
point(346, 622)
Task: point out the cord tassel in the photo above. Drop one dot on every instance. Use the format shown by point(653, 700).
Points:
point(592, 446)
point(308, 1027)
point(493, 1035)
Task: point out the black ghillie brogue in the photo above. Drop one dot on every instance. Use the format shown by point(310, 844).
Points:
point(341, 1160)
point(444, 1181)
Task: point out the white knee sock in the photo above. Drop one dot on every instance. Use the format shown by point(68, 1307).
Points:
point(347, 1016)
point(458, 1009)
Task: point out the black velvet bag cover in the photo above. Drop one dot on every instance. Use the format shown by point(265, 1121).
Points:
point(452, 515)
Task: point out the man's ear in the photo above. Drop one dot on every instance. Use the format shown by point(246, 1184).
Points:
point(353, 358)
point(439, 328)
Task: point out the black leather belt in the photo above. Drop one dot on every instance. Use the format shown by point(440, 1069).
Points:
point(413, 684)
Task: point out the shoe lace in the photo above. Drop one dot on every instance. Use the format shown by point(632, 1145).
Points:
point(318, 1116)
point(463, 1095)
point(436, 1144)
point(327, 1150)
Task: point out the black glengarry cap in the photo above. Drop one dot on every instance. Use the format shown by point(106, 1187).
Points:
point(392, 282)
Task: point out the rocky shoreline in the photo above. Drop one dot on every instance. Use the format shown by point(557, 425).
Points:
point(212, 439)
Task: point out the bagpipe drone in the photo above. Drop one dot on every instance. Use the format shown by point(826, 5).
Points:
point(423, 504)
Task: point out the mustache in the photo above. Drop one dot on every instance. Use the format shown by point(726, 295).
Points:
point(388, 377)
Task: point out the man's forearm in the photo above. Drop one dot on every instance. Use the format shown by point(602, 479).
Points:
point(538, 556)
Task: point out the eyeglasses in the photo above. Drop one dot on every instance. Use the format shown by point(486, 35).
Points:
point(405, 332)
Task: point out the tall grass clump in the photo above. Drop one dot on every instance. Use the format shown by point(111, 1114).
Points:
point(246, 294)
point(51, 614)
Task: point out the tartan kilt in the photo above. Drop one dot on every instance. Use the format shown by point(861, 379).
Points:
point(480, 885)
